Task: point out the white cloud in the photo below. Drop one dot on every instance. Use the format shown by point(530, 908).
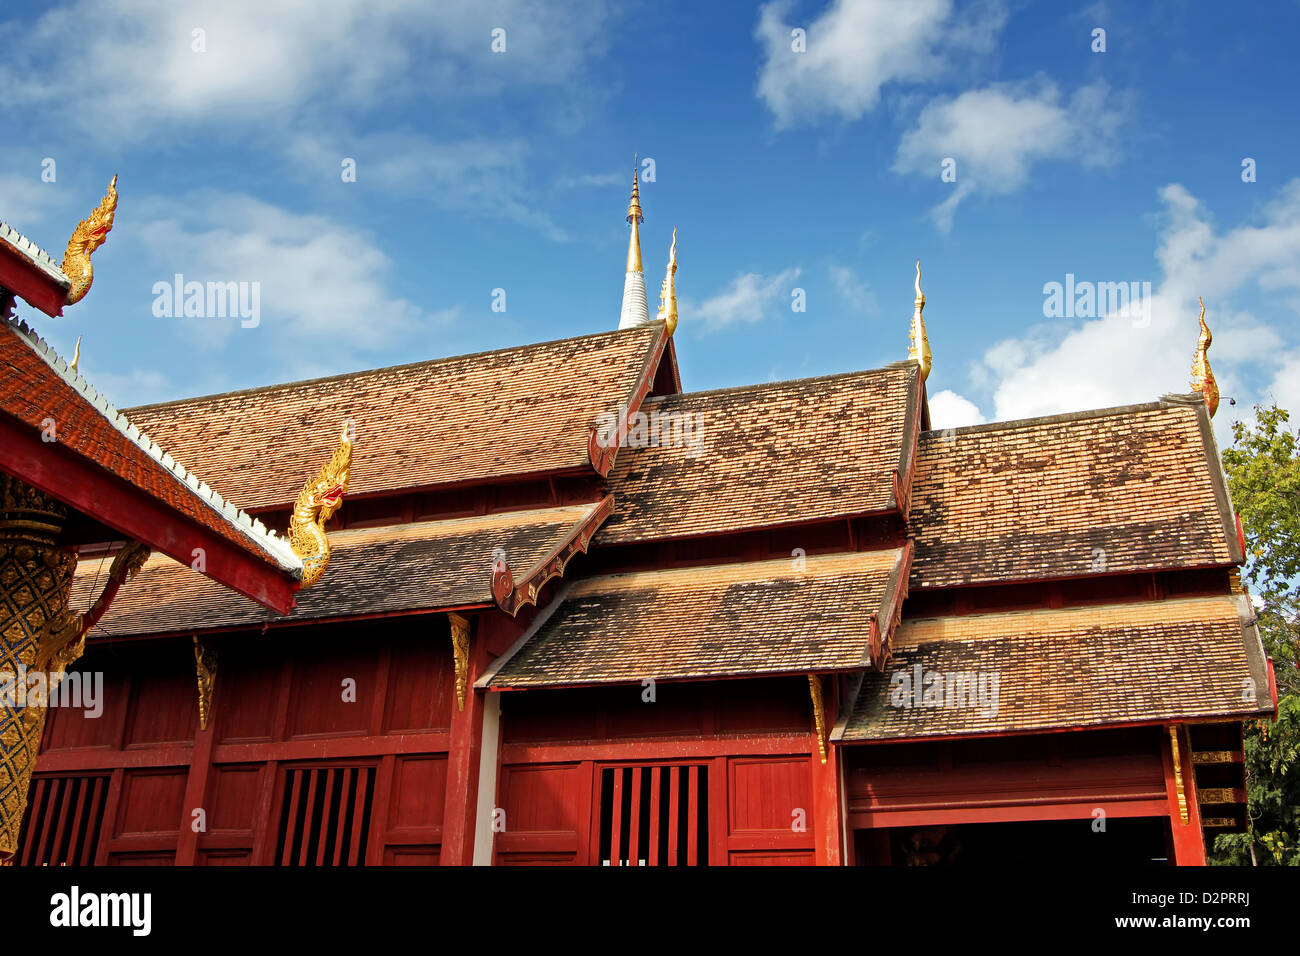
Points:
point(324, 289)
point(996, 135)
point(852, 290)
point(1114, 359)
point(856, 47)
point(950, 410)
point(748, 298)
point(487, 177)
point(121, 67)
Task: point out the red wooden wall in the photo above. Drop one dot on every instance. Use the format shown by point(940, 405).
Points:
point(287, 771)
point(716, 774)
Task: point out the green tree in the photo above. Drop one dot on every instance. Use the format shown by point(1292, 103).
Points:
point(1263, 469)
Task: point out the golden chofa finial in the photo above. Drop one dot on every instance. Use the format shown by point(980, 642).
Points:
point(76, 356)
point(1202, 376)
point(635, 218)
point(668, 292)
point(86, 238)
point(919, 349)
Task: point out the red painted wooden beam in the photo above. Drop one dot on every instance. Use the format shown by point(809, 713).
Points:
point(37, 287)
point(135, 514)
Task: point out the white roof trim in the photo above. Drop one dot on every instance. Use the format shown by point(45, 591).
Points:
point(38, 256)
point(250, 527)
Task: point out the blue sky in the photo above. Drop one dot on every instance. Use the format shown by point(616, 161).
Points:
point(818, 170)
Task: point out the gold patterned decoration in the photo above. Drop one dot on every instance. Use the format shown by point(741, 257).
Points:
point(319, 499)
point(89, 235)
point(819, 713)
point(1178, 775)
point(35, 582)
point(460, 651)
point(919, 346)
point(1202, 376)
point(205, 665)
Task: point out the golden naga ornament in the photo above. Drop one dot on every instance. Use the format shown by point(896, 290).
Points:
point(205, 668)
point(89, 235)
point(319, 499)
point(1202, 377)
point(668, 292)
point(919, 348)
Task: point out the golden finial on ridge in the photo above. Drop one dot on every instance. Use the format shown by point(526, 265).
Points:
point(668, 291)
point(919, 349)
point(1202, 376)
point(76, 355)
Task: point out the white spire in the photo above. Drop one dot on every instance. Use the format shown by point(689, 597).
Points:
point(636, 310)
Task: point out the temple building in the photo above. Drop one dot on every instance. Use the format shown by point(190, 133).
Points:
point(575, 614)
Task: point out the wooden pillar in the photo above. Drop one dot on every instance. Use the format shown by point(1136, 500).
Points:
point(828, 821)
point(1184, 811)
point(460, 809)
point(196, 784)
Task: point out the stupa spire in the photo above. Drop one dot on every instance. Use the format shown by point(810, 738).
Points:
point(636, 310)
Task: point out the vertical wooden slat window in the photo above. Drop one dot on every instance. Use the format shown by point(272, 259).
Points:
point(654, 815)
point(69, 813)
point(325, 816)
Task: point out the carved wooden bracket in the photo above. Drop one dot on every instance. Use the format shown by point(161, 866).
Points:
point(460, 651)
point(1178, 774)
point(205, 666)
point(819, 713)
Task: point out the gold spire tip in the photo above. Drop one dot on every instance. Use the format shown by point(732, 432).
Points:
point(1202, 375)
point(919, 347)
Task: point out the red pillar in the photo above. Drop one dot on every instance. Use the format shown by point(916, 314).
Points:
point(459, 811)
point(1188, 843)
point(828, 821)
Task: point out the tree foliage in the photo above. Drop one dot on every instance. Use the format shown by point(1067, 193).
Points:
point(1263, 470)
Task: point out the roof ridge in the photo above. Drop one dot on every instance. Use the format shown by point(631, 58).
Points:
point(342, 376)
point(756, 386)
point(252, 528)
point(1165, 401)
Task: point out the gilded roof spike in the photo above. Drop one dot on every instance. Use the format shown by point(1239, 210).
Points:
point(1202, 376)
point(635, 218)
point(919, 349)
point(668, 291)
point(76, 356)
point(86, 238)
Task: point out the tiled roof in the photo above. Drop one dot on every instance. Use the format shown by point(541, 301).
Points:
point(1075, 667)
point(420, 566)
point(38, 385)
point(33, 253)
point(513, 412)
point(1116, 490)
point(752, 618)
point(781, 453)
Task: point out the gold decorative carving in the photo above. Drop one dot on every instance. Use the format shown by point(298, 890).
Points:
point(1215, 756)
point(1217, 795)
point(1202, 376)
point(919, 347)
point(1178, 775)
point(668, 292)
point(89, 235)
point(460, 651)
point(319, 499)
point(205, 665)
point(819, 713)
